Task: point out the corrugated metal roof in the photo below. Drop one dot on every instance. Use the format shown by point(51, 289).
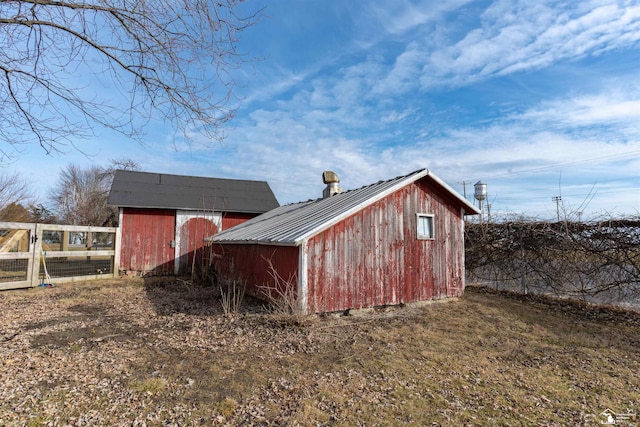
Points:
point(162, 191)
point(292, 224)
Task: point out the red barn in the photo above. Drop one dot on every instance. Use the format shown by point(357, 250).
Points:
point(165, 218)
point(388, 243)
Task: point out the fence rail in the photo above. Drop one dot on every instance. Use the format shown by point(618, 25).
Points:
point(34, 254)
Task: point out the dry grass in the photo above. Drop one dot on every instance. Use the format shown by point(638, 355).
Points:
point(127, 352)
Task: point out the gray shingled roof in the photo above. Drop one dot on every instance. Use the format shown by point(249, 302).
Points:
point(292, 224)
point(155, 190)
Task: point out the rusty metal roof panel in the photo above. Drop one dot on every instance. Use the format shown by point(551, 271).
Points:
point(292, 224)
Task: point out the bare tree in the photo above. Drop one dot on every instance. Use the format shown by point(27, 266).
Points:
point(165, 60)
point(78, 194)
point(15, 193)
point(81, 194)
point(41, 214)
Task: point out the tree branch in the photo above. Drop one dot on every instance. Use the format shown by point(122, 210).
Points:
point(165, 60)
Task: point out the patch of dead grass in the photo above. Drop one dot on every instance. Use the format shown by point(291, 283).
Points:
point(100, 355)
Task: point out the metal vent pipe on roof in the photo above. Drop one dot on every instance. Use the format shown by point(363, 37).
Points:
point(333, 184)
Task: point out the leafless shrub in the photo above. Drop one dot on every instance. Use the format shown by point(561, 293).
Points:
point(232, 294)
point(202, 272)
point(283, 299)
point(597, 261)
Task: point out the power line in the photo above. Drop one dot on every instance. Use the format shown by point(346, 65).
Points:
point(509, 197)
point(556, 165)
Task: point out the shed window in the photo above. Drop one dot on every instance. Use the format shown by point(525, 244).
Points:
point(425, 226)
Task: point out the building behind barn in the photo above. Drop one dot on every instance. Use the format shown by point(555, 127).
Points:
point(164, 219)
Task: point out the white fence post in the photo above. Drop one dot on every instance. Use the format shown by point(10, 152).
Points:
point(34, 274)
point(117, 248)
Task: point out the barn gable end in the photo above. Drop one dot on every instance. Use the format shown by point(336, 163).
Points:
point(373, 258)
point(361, 248)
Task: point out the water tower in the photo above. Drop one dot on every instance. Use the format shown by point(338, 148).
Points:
point(480, 194)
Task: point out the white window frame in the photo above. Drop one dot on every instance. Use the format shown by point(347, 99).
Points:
point(430, 220)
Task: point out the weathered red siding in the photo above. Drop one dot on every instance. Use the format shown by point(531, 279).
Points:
point(232, 219)
point(369, 259)
point(252, 263)
point(374, 258)
point(147, 233)
point(146, 237)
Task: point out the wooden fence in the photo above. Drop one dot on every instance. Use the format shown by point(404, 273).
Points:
point(41, 254)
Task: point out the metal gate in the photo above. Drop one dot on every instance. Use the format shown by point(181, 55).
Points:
point(39, 254)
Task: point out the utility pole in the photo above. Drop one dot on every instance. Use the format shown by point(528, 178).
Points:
point(557, 200)
point(464, 188)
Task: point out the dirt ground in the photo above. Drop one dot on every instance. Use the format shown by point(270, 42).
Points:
point(160, 352)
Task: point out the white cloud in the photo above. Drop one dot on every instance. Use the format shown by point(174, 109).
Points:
point(517, 36)
point(401, 16)
point(271, 83)
point(394, 116)
point(405, 73)
point(588, 110)
point(329, 124)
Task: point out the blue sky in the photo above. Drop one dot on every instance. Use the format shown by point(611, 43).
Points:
point(535, 98)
